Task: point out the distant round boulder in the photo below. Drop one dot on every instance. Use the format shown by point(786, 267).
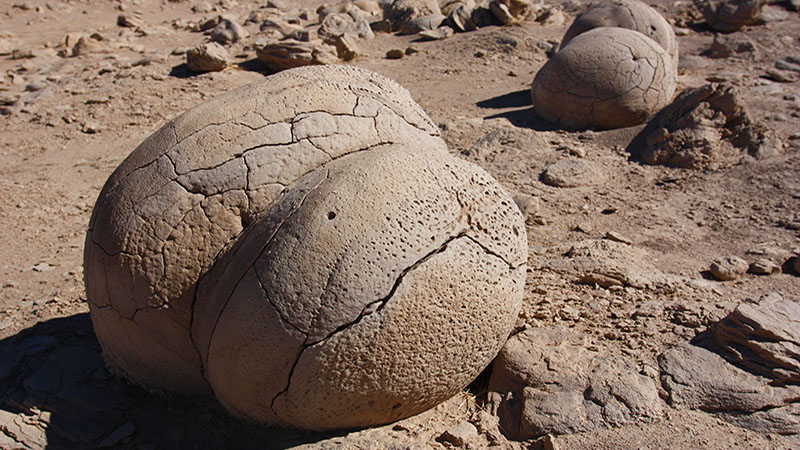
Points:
point(604, 78)
point(730, 15)
point(631, 14)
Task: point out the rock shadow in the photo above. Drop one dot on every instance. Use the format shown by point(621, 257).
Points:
point(524, 118)
point(56, 393)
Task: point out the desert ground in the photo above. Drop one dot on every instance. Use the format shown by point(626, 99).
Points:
point(68, 121)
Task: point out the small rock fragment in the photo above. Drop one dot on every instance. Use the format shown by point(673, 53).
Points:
point(87, 45)
point(210, 57)
point(129, 21)
point(728, 268)
point(289, 53)
point(228, 31)
point(202, 8)
point(571, 173)
point(437, 34)
point(424, 23)
point(460, 435)
point(616, 237)
point(763, 266)
point(736, 44)
point(395, 53)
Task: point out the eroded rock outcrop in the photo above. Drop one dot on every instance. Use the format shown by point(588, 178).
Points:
point(744, 368)
point(546, 381)
point(705, 127)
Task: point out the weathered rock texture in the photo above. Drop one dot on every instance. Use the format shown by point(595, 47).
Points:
point(605, 78)
point(546, 381)
point(763, 337)
point(757, 387)
point(210, 57)
point(631, 14)
point(705, 127)
point(730, 15)
point(300, 244)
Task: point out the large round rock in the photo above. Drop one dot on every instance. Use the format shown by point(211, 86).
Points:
point(187, 191)
point(604, 78)
point(378, 286)
point(631, 14)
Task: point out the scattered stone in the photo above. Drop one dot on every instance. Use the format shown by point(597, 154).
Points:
point(87, 45)
point(703, 128)
point(228, 31)
point(400, 12)
point(546, 381)
point(730, 15)
point(90, 128)
point(735, 44)
point(37, 85)
point(790, 63)
point(779, 75)
point(346, 47)
point(510, 12)
point(129, 21)
point(570, 173)
point(202, 8)
point(616, 237)
point(437, 34)
point(461, 435)
point(631, 14)
point(395, 53)
point(210, 57)
point(289, 53)
point(6, 46)
point(423, 23)
point(697, 378)
point(763, 266)
point(578, 88)
point(728, 268)
point(411, 50)
point(771, 14)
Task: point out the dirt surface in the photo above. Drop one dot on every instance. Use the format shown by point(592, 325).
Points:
point(69, 121)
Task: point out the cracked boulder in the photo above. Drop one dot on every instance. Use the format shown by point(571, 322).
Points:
point(307, 248)
point(379, 285)
point(547, 381)
point(181, 198)
point(704, 128)
point(631, 14)
point(604, 78)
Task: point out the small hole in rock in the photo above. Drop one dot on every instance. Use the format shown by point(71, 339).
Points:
point(331, 215)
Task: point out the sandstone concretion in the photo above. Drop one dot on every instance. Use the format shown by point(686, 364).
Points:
point(631, 14)
point(306, 247)
point(605, 78)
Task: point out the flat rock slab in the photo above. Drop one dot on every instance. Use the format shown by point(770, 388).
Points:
point(572, 173)
point(546, 381)
point(762, 337)
point(696, 378)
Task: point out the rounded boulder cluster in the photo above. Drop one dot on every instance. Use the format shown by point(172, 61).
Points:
point(631, 14)
point(604, 78)
point(306, 248)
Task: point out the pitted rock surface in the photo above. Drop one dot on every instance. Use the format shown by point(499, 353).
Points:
point(189, 189)
point(631, 14)
point(705, 127)
point(307, 248)
point(605, 78)
point(323, 291)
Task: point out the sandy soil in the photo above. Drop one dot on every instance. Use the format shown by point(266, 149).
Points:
point(80, 116)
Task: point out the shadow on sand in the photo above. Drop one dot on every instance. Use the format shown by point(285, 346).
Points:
point(56, 393)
